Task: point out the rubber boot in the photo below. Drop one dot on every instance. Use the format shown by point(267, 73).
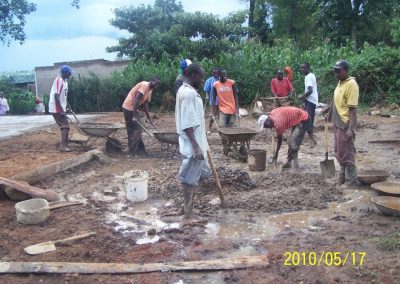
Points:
point(351, 176)
point(64, 140)
point(342, 175)
point(187, 201)
point(295, 162)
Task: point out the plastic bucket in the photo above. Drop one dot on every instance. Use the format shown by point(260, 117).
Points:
point(32, 211)
point(257, 160)
point(136, 185)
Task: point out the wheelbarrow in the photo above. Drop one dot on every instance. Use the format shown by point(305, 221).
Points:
point(101, 130)
point(168, 140)
point(237, 140)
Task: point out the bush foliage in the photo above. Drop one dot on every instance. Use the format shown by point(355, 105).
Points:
point(252, 66)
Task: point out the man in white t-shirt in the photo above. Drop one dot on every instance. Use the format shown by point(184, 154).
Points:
point(193, 145)
point(310, 97)
point(58, 104)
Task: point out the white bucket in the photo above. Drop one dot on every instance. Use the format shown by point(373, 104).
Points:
point(135, 184)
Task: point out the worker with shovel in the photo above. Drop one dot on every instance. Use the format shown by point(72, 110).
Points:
point(193, 145)
point(343, 114)
point(281, 119)
point(139, 96)
point(58, 104)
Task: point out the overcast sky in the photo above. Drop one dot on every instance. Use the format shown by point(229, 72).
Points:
point(58, 32)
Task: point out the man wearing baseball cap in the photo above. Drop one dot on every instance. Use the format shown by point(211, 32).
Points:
point(343, 114)
point(281, 119)
point(58, 104)
point(182, 74)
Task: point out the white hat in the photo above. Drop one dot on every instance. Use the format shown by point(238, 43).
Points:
point(261, 121)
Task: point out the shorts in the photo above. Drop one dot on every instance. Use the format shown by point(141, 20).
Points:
point(226, 120)
point(61, 120)
point(192, 170)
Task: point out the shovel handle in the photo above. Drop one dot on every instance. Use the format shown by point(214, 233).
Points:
point(64, 204)
point(75, 238)
point(155, 127)
point(326, 137)
point(214, 171)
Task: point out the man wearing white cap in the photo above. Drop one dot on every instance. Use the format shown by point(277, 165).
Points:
point(281, 119)
point(58, 104)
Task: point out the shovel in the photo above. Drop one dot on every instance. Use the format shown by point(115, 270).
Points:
point(327, 166)
point(50, 246)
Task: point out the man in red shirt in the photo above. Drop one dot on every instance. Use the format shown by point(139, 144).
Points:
point(281, 119)
point(226, 92)
point(281, 86)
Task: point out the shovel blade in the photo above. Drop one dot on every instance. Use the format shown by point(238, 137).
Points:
point(327, 168)
point(40, 248)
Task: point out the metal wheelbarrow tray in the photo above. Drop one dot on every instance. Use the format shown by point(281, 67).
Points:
point(99, 129)
point(170, 139)
point(232, 138)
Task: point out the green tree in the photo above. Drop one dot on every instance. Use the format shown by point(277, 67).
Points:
point(166, 29)
point(358, 20)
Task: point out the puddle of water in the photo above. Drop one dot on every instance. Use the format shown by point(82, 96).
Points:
point(148, 240)
point(248, 226)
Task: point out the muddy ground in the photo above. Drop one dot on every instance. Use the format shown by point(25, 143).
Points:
point(271, 212)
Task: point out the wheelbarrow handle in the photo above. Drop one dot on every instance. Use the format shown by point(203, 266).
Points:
point(141, 125)
point(155, 127)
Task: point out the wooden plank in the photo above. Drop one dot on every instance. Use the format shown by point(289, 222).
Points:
point(49, 195)
point(385, 141)
point(119, 268)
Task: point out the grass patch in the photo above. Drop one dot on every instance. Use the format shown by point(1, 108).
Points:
point(390, 242)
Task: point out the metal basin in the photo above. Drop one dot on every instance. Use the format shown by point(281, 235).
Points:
point(388, 205)
point(372, 176)
point(32, 211)
point(387, 188)
point(171, 138)
point(99, 129)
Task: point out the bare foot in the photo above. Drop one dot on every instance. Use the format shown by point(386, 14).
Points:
point(65, 149)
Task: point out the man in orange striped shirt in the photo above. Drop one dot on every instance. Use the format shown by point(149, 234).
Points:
point(226, 91)
point(139, 96)
point(281, 119)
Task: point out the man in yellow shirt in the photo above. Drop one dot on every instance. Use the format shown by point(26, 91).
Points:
point(343, 114)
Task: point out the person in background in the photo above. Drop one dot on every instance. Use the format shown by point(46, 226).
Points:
point(226, 92)
point(310, 97)
point(4, 107)
point(289, 73)
point(193, 145)
point(58, 104)
point(208, 89)
point(281, 86)
point(281, 119)
point(39, 106)
point(182, 75)
point(343, 115)
point(139, 96)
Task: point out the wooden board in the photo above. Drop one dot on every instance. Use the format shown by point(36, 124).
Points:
point(118, 268)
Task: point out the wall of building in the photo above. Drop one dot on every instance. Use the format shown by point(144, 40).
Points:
point(44, 76)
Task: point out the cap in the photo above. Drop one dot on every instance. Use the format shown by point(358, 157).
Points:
point(66, 69)
point(185, 63)
point(261, 120)
point(38, 101)
point(341, 64)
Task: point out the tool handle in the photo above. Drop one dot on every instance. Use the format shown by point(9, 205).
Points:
point(141, 125)
point(64, 204)
point(155, 127)
point(214, 171)
point(75, 238)
point(326, 137)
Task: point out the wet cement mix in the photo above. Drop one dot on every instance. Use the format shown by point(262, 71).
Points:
point(151, 231)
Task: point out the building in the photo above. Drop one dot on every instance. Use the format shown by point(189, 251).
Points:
point(45, 75)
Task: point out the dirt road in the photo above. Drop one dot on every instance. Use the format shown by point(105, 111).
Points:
point(272, 212)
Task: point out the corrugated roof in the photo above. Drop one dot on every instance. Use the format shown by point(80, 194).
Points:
point(20, 77)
